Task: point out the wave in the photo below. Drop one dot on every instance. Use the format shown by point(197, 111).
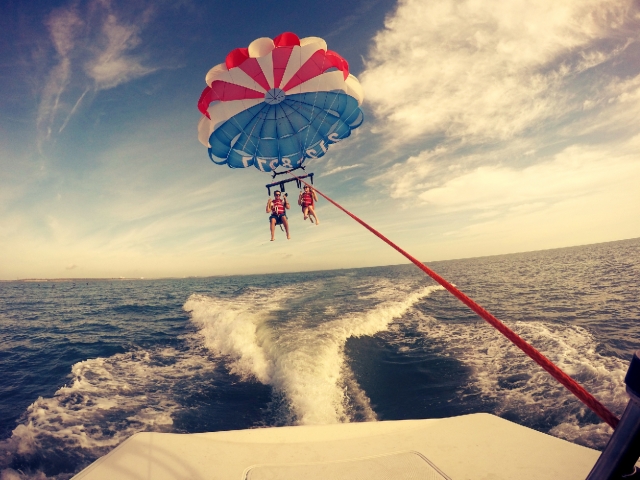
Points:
point(108, 400)
point(300, 357)
point(521, 390)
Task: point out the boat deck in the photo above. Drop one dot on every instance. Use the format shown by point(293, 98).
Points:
point(473, 447)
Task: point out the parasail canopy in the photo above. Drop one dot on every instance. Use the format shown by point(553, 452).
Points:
point(278, 103)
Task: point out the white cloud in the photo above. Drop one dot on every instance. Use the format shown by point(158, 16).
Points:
point(113, 64)
point(577, 171)
point(64, 27)
point(573, 173)
point(94, 52)
point(487, 70)
point(407, 179)
point(340, 169)
point(518, 111)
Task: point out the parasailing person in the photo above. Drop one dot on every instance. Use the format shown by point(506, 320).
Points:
point(307, 200)
point(278, 209)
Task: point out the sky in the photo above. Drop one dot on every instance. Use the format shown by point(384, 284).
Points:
point(490, 127)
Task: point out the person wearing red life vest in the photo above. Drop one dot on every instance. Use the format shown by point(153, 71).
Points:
point(307, 200)
point(277, 207)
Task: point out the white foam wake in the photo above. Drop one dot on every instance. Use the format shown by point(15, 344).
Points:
point(503, 374)
point(108, 400)
point(302, 360)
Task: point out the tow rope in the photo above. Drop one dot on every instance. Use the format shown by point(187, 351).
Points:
point(574, 387)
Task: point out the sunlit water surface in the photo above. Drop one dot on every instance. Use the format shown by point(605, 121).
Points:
point(86, 364)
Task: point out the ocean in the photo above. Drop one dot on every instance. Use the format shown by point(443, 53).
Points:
point(87, 363)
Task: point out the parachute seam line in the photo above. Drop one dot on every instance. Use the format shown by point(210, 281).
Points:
point(257, 146)
point(335, 97)
point(286, 102)
point(235, 122)
point(293, 129)
point(277, 133)
point(313, 106)
point(301, 113)
point(574, 387)
point(252, 129)
point(316, 92)
point(262, 127)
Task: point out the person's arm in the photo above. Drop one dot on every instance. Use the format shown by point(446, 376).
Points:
point(286, 203)
point(269, 205)
point(300, 199)
point(315, 197)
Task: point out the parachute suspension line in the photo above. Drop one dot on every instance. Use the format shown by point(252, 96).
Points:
point(574, 387)
point(313, 107)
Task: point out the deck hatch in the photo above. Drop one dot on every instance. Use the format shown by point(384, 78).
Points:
point(392, 466)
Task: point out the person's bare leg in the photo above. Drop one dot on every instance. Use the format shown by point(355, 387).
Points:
point(273, 229)
point(285, 222)
point(312, 211)
point(305, 212)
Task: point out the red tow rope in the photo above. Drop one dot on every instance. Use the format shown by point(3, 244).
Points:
point(574, 387)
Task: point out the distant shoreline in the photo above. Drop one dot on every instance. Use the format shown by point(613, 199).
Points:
point(74, 280)
point(428, 262)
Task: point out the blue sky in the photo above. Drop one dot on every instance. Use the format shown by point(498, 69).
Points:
point(490, 127)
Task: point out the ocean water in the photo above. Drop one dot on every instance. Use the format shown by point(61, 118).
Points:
point(86, 364)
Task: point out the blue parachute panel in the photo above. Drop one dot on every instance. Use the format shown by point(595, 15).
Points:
point(285, 134)
point(268, 148)
point(289, 146)
point(238, 159)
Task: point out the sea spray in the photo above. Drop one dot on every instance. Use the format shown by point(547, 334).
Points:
point(106, 401)
point(519, 388)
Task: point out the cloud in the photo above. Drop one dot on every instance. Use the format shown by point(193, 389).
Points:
point(73, 110)
point(500, 112)
point(488, 71)
point(409, 178)
point(112, 64)
point(94, 50)
point(64, 27)
point(577, 171)
point(340, 169)
point(73, 266)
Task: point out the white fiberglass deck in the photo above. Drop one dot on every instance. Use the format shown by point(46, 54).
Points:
point(473, 447)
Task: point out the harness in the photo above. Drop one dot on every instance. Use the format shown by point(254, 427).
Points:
point(307, 199)
point(277, 206)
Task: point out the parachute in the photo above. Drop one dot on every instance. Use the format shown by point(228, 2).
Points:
point(278, 103)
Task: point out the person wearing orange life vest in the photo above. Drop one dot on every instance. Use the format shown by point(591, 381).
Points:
point(277, 207)
point(307, 200)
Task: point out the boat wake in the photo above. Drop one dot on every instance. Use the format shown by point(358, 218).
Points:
point(522, 391)
point(108, 400)
point(300, 354)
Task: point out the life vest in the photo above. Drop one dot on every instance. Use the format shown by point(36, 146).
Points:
point(277, 206)
point(307, 199)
